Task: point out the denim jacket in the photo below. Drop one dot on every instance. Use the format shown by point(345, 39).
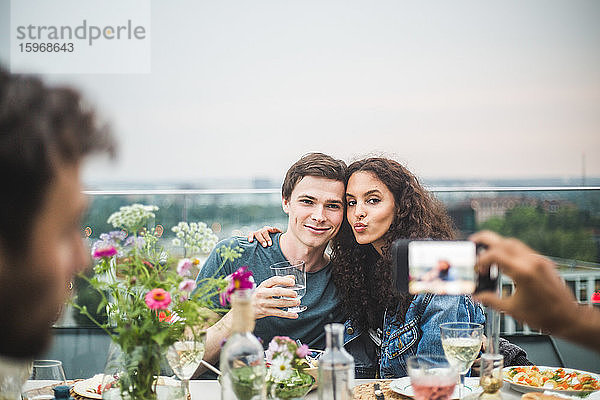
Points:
point(419, 334)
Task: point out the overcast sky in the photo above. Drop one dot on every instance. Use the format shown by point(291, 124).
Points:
point(453, 89)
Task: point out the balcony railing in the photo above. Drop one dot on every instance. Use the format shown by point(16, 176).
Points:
point(568, 219)
point(565, 222)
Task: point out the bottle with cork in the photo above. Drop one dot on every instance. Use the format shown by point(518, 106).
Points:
point(243, 370)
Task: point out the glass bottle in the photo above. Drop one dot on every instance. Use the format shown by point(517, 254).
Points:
point(243, 371)
point(336, 367)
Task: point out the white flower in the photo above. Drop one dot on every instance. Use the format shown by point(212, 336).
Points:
point(281, 368)
point(176, 242)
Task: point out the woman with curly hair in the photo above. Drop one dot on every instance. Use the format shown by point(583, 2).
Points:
point(385, 202)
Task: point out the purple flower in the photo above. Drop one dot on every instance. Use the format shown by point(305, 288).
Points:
point(187, 285)
point(137, 242)
point(183, 267)
point(105, 252)
point(239, 280)
point(302, 351)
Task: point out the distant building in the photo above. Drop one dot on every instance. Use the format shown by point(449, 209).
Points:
point(489, 207)
point(467, 215)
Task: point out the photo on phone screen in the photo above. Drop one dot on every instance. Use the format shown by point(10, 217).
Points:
point(441, 267)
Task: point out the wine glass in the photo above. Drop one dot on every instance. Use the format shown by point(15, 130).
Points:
point(298, 271)
point(432, 377)
point(46, 374)
point(184, 357)
point(461, 342)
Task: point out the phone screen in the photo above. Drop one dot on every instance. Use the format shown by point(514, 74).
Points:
point(441, 267)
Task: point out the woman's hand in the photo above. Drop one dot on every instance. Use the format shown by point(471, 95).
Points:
point(262, 235)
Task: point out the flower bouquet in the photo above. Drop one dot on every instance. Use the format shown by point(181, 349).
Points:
point(151, 300)
point(287, 378)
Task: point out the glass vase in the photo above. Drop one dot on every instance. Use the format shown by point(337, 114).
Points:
point(136, 375)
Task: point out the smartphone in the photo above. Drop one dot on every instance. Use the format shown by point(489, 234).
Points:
point(440, 267)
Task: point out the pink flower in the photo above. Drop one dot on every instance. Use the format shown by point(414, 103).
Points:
point(187, 285)
point(183, 267)
point(239, 280)
point(105, 252)
point(158, 299)
point(302, 351)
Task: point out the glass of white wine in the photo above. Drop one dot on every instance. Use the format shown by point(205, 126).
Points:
point(296, 269)
point(461, 342)
point(184, 357)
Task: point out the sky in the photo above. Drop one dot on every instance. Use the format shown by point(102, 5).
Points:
point(453, 90)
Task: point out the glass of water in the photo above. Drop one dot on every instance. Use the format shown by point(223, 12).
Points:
point(297, 270)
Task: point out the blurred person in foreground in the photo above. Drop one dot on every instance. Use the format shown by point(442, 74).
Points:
point(541, 298)
point(44, 135)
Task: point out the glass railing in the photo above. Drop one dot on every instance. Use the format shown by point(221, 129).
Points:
point(560, 222)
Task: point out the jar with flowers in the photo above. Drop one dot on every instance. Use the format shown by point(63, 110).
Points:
point(152, 303)
point(287, 378)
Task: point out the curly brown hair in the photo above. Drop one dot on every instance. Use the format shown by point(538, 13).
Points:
point(363, 277)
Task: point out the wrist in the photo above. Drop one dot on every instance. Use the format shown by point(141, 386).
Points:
point(582, 326)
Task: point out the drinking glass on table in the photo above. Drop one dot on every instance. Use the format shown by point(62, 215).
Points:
point(461, 342)
point(431, 377)
point(297, 270)
point(491, 377)
point(185, 355)
point(45, 374)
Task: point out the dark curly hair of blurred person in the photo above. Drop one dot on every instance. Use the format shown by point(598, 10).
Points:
point(40, 127)
point(363, 278)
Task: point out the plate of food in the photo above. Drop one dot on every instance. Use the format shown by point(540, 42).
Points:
point(90, 388)
point(402, 386)
point(560, 380)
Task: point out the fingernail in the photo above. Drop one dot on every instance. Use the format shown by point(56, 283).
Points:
point(264, 244)
point(269, 242)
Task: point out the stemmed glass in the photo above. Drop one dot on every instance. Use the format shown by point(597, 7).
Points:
point(461, 342)
point(432, 377)
point(48, 373)
point(184, 357)
point(298, 271)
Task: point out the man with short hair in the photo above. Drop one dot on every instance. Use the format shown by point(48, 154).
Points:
point(313, 194)
point(44, 134)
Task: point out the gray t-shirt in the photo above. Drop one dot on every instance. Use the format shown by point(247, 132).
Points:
point(320, 299)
